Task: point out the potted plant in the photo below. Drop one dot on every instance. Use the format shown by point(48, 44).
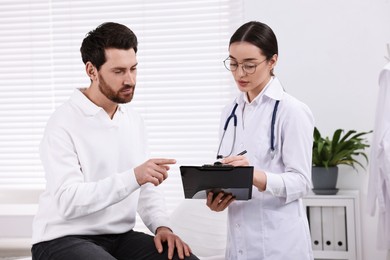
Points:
point(329, 153)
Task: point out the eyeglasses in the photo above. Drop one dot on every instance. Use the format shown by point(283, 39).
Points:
point(247, 67)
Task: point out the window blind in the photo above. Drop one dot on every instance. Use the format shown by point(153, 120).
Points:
point(181, 86)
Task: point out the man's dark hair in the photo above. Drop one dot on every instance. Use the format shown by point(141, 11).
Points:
point(106, 35)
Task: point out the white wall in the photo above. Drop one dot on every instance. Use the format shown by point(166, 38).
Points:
point(330, 56)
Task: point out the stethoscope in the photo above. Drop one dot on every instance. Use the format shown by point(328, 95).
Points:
point(234, 117)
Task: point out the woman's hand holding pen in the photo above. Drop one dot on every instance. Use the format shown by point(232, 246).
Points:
point(237, 160)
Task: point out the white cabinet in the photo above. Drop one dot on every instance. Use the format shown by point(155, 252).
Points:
point(335, 222)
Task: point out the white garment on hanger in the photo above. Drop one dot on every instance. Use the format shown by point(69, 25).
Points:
point(379, 178)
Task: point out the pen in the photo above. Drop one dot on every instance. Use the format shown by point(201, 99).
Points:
point(242, 153)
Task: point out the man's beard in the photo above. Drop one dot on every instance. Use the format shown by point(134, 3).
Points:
point(116, 97)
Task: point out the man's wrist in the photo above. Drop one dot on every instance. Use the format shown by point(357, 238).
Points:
point(163, 228)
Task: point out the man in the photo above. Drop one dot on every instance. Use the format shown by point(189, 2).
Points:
point(94, 155)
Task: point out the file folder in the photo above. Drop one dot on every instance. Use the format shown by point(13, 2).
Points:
point(328, 228)
point(315, 222)
point(340, 231)
point(199, 180)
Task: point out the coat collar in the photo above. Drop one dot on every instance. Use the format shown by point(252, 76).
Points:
point(87, 106)
point(273, 90)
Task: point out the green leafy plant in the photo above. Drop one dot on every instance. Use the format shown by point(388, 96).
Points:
point(341, 149)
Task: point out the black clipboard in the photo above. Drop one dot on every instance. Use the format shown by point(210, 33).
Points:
point(199, 180)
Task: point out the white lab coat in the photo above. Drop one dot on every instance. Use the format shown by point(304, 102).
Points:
point(379, 178)
point(273, 224)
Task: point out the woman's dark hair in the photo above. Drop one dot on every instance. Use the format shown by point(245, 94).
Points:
point(106, 35)
point(258, 34)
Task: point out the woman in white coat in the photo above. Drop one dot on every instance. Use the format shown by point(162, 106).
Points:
point(276, 130)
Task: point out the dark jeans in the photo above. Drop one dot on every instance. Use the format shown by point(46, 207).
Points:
point(127, 246)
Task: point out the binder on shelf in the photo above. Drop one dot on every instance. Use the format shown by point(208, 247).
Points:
point(315, 222)
point(340, 231)
point(328, 229)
